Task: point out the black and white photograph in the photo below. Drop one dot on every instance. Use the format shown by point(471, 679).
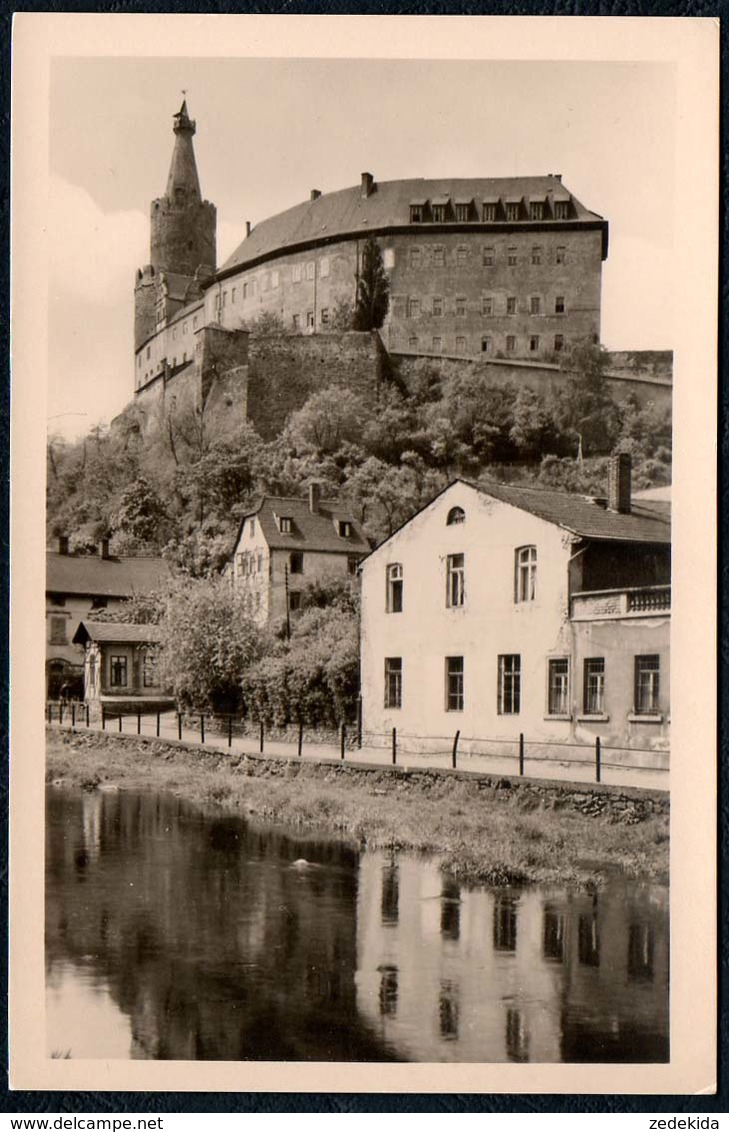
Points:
point(370, 706)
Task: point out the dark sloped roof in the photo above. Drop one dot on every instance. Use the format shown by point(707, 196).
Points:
point(107, 577)
point(388, 205)
point(116, 631)
point(309, 531)
point(649, 521)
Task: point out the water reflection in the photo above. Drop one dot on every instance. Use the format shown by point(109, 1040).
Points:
point(171, 933)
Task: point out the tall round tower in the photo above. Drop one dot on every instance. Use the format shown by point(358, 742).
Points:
point(182, 223)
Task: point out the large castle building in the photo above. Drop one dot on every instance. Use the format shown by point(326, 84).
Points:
point(503, 268)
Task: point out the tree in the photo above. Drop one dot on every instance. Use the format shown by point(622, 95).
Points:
point(327, 420)
point(140, 516)
point(373, 289)
point(208, 643)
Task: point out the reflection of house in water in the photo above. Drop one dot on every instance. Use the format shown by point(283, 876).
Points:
point(457, 975)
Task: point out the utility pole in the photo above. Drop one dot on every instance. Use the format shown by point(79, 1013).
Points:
point(286, 590)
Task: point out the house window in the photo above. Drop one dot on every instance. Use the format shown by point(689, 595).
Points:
point(393, 682)
point(352, 564)
point(324, 267)
point(593, 696)
point(99, 602)
point(296, 562)
point(416, 213)
point(536, 255)
point(463, 211)
point(455, 515)
point(394, 588)
point(561, 209)
point(510, 343)
point(485, 345)
point(511, 304)
point(437, 345)
point(535, 305)
point(489, 213)
point(413, 308)
point(647, 679)
point(310, 269)
point(438, 257)
point(461, 306)
point(536, 210)
point(454, 683)
point(559, 304)
point(560, 255)
point(439, 213)
point(259, 561)
point(416, 257)
point(461, 256)
point(285, 524)
point(184, 325)
point(512, 211)
point(455, 580)
point(504, 933)
point(139, 361)
point(344, 528)
point(437, 306)
point(149, 348)
point(324, 316)
point(232, 299)
point(58, 631)
point(412, 343)
point(294, 601)
point(525, 581)
point(559, 687)
point(558, 343)
point(295, 321)
point(295, 275)
point(534, 343)
point(118, 671)
point(511, 257)
point(149, 670)
point(310, 320)
point(275, 279)
point(487, 305)
point(488, 257)
point(388, 259)
point(553, 935)
point(252, 527)
point(460, 345)
point(509, 691)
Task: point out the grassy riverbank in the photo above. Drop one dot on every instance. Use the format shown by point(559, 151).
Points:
point(484, 831)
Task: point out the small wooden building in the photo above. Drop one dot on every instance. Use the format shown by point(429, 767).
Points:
point(121, 666)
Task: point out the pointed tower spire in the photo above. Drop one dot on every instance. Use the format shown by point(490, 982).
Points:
point(183, 176)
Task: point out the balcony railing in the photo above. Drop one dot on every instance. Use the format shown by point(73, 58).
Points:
point(606, 605)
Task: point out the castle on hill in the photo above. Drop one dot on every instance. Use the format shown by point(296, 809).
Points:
point(503, 270)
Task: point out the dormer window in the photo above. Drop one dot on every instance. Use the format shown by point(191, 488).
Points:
point(512, 210)
point(439, 213)
point(536, 210)
point(417, 209)
point(561, 209)
point(344, 528)
point(463, 210)
point(489, 211)
point(285, 524)
point(455, 515)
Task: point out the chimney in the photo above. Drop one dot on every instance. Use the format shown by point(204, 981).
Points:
point(104, 549)
point(315, 194)
point(63, 544)
point(619, 483)
point(314, 497)
point(368, 183)
point(248, 228)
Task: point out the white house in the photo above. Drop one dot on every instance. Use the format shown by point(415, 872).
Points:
point(286, 544)
point(499, 610)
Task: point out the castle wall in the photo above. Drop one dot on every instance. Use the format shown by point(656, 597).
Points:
point(182, 235)
point(174, 343)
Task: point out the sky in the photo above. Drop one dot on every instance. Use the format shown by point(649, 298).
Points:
point(269, 131)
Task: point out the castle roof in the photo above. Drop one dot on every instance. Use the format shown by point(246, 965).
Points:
point(105, 577)
point(353, 212)
point(183, 170)
point(309, 530)
point(116, 632)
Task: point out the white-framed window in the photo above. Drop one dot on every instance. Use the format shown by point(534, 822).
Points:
point(511, 304)
point(489, 213)
point(463, 211)
point(437, 345)
point(534, 343)
point(561, 210)
point(536, 210)
point(310, 269)
point(455, 580)
point(487, 305)
point(275, 279)
point(285, 524)
point(295, 274)
point(558, 691)
point(117, 671)
point(510, 343)
point(511, 257)
point(393, 682)
point(437, 306)
point(394, 582)
point(525, 573)
point(647, 684)
point(413, 308)
point(324, 267)
point(509, 685)
point(512, 210)
point(460, 344)
point(560, 255)
point(416, 257)
point(438, 256)
point(454, 681)
point(461, 306)
point(488, 256)
point(593, 686)
point(461, 255)
point(416, 213)
point(439, 213)
point(535, 305)
point(344, 528)
point(455, 515)
point(559, 304)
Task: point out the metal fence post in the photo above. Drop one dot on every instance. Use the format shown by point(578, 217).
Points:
point(455, 749)
point(103, 718)
point(158, 720)
point(88, 715)
point(359, 721)
point(120, 720)
point(60, 713)
point(342, 740)
point(301, 738)
point(179, 726)
point(394, 746)
point(260, 745)
point(230, 730)
point(202, 727)
point(521, 753)
point(139, 723)
point(73, 715)
point(597, 759)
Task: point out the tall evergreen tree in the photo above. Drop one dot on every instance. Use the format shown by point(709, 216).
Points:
point(373, 289)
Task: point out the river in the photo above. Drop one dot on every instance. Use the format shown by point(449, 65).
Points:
point(175, 932)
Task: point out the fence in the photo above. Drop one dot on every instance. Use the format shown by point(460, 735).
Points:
point(521, 756)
